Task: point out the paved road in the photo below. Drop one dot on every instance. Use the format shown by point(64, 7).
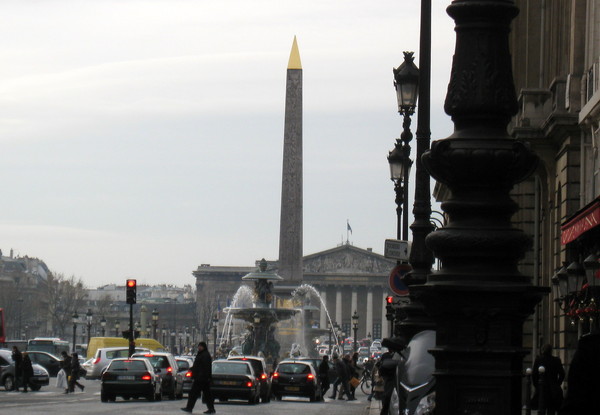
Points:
point(50, 400)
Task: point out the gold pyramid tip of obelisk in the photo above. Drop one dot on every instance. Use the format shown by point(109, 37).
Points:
point(294, 62)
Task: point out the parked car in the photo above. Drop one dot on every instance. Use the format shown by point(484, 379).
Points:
point(317, 362)
point(7, 373)
point(296, 378)
point(183, 366)
point(166, 366)
point(234, 379)
point(130, 378)
point(49, 362)
point(103, 357)
point(262, 373)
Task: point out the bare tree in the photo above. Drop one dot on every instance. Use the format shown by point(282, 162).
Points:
point(65, 296)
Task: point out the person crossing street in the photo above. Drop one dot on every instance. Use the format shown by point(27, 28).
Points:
point(202, 376)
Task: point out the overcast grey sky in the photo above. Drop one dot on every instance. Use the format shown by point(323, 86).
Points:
point(144, 138)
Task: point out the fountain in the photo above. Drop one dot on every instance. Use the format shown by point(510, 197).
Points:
point(262, 316)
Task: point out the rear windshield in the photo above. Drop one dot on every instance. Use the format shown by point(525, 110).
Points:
point(159, 362)
point(114, 354)
point(230, 368)
point(183, 365)
point(256, 365)
point(128, 365)
point(293, 368)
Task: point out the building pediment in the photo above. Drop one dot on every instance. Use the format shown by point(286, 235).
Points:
point(347, 259)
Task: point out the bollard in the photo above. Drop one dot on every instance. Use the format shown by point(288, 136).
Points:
point(541, 392)
point(528, 392)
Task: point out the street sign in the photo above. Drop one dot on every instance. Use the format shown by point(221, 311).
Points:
point(395, 249)
point(396, 280)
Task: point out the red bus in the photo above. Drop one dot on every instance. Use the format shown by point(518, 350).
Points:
point(2, 332)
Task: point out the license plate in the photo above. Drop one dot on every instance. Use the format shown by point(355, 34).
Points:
point(226, 382)
point(292, 388)
point(126, 377)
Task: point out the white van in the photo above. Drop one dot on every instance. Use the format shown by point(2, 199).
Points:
point(103, 357)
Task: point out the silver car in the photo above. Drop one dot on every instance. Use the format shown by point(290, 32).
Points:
point(104, 356)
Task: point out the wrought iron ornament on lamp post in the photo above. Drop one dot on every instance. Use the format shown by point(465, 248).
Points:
point(479, 299)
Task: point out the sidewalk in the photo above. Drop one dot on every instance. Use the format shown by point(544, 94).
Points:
point(374, 408)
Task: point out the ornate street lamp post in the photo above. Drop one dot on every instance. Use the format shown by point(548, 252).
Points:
point(406, 82)
point(117, 327)
point(215, 322)
point(355, 328)
point(75, 318)
point(89, 316)
point(103, 326)
point(478, 299)
point(329, 329)
point(154, 322)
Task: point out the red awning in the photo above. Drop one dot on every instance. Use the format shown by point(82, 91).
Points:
point(584, 220)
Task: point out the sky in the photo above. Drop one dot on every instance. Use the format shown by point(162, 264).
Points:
point(143, 138)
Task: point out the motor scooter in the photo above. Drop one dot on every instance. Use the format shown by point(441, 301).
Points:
point(414, 390)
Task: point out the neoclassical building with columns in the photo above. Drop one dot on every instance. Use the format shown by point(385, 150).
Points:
point(347, 278)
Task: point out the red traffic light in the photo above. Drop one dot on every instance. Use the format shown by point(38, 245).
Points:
point(131, 283)
point(389, 299)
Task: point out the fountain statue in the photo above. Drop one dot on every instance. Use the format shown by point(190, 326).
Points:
point(262, 316)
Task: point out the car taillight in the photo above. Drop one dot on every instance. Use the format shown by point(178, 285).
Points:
point(188, 374)
point(146, 376)
point(169, 369)
point(275, 375)
point(96, 361)
point(310, 376)
point(263, 376)
point(249, 384)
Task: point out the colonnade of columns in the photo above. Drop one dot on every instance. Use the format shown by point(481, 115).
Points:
point(343, 300)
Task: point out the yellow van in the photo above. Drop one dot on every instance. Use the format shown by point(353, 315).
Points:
point(101, 342)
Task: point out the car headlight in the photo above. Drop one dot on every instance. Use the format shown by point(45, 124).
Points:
point(426, 405)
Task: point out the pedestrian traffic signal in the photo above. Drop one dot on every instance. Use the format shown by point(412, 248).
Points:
point(389, 308)
point(389, 299)
point(131, 290)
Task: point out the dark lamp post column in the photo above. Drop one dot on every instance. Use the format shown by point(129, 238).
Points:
point(215, 327)
point(478, 299)
point(355, 328)
point(154, 322)
point(75, 319)
point(89, 316)
point(103, 326)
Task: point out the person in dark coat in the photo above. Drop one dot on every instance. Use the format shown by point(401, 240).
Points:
point(353, 373)
point(26, 372)
point(74, 374)
point(202, 376)
point(343, 375)
point(584, 379)
point(548, 390)
point(17, 357)
point(65, 364)
point(324, 375)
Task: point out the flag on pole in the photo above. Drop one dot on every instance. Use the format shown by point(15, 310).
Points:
point(349, 228)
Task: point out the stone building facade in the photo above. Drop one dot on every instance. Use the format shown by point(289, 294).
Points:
point(347, 278)
point(555, 48)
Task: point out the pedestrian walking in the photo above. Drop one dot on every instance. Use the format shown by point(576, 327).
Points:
point(583, 380)
point(27, 372)
point(343, 373)
point(548, 393)
point(17, 357)
point(202, 376)
point(352, 376)
point(324, 375)
point(62, 378)
point(74, 375)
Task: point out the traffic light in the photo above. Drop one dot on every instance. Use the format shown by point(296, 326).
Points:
point(389, 308)
point(131, 289)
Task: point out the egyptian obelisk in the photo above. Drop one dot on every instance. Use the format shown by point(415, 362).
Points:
point(290, 226)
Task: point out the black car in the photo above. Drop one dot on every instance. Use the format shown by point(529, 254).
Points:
point(260, 370)
point(317, 362)
point(166, 366)
point(296, 378)
point(130, 378)
point(7, 373)
point(234, 379)
point(49, 362)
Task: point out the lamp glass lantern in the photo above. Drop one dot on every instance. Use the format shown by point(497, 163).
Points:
point(89, 316)
point(563, 281)
point(102, 322)
point(396, 160)
point(592, 266)
point(75, 317)
point(155, 315)
point(355, 320)
point(256, 319)
point(406, 82)
point(576, 273)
